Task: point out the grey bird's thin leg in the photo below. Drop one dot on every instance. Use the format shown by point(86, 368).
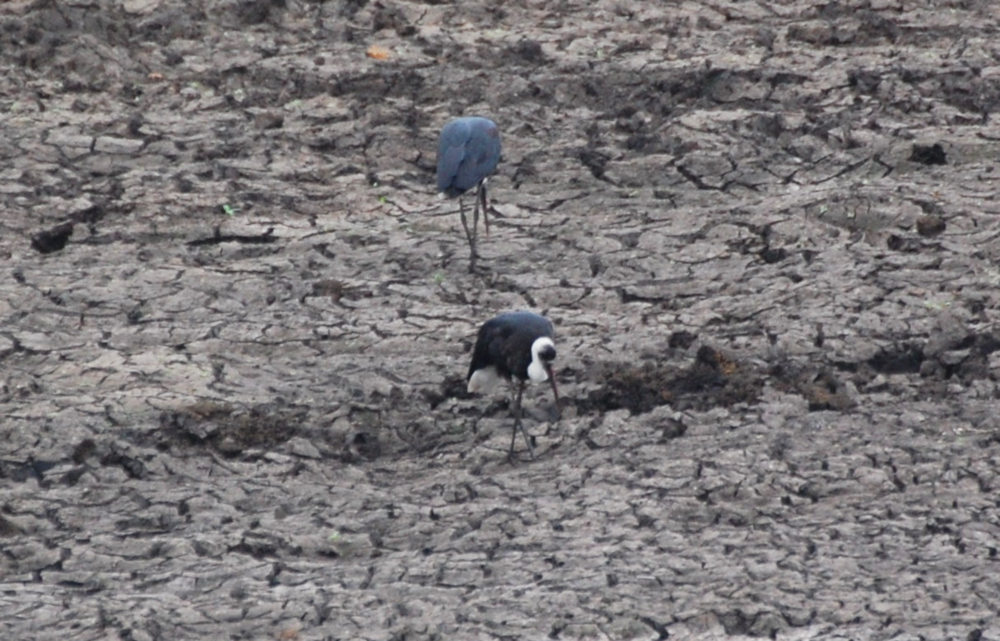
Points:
point(475, 231)
point(518, 425)
point(469, 235)
point(481, 197)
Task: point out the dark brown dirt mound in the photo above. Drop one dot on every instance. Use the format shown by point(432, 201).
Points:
point(713, 379)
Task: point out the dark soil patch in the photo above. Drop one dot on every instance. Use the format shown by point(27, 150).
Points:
point(229, 430)
point(712, 379)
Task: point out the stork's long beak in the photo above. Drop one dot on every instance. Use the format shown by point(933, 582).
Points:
point(552, 380)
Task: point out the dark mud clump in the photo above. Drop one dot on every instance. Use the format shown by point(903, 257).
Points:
point(227, 429)
point(713, 379)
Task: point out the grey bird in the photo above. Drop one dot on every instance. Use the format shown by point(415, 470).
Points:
point(468, 152)
point(515, 346)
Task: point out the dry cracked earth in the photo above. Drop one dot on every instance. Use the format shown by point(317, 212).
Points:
point(236, 319)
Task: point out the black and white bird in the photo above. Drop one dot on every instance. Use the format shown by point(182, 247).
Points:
point(514, 346)
point(468, 152)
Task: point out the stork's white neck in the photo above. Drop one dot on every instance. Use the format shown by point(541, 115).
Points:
point(536, 369)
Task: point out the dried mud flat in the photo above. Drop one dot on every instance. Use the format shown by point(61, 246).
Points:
point(235, 321)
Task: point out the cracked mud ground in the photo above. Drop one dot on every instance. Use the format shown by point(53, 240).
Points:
point(235, 321)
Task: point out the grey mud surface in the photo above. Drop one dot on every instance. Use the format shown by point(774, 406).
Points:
point(236, 321)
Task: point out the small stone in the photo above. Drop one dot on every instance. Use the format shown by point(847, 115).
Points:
point(929, 154)
point(930, 226)
point(115, 145)
point(52, 240)
point(303, 447)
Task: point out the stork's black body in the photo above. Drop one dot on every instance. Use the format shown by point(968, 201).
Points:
point(514, 346)
point(468, 152)
point(505, 342)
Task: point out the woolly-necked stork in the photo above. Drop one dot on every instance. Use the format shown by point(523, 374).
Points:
point(514, 345)
point(468, 152)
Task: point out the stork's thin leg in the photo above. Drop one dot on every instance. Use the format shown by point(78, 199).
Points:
point(475, 222)
point(469, 235)
point(513, 439)
point(481, 196)
point(465, 223)
point(519, 425)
